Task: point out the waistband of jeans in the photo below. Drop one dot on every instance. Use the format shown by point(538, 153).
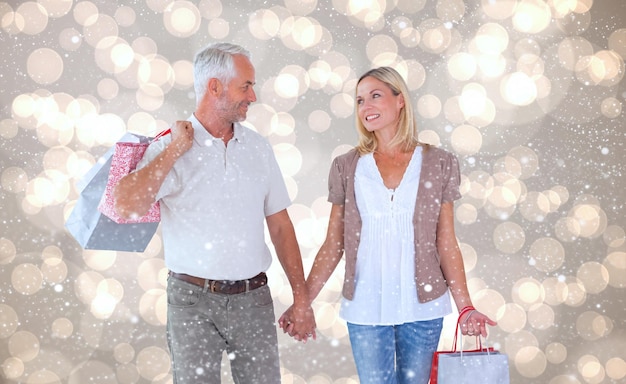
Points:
point(228, 287)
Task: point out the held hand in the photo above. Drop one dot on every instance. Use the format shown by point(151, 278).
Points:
point(182, 136)
point(474, 323)
point(299, 323)
point(283, 323)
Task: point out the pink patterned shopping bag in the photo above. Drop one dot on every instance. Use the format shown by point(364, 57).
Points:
point(125, 159)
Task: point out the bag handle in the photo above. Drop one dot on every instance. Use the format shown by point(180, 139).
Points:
point(458, 335)
point(161, 134)
point(457, 330)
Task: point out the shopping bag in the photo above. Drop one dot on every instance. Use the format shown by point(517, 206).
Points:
point(480, 365)
point(485, 366)
point(126, 156)
point(92, 229)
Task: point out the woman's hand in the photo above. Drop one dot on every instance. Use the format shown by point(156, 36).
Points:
point(474, 323)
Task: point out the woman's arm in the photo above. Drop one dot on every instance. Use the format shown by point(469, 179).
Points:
point(329, 254)
point(451, 259)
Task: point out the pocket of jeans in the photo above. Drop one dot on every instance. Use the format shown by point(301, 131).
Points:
point(262, 297)
point(180, 296)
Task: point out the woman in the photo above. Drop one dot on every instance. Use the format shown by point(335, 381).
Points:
point(393, 216)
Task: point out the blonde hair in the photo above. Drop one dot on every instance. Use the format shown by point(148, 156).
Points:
point(406, 136)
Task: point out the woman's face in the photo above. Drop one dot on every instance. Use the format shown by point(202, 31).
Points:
point(377, 107)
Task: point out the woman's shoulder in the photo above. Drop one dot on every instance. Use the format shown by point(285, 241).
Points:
point(347, 156)
point(345, 163)
point(429, 150)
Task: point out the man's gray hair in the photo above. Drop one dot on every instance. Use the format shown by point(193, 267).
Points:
point(215, 61)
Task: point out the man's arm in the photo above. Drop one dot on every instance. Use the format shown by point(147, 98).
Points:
point(136, 192)
point(283, 237)
point(326, 261)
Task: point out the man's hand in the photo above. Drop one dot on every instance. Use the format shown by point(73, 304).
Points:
point(182, 136)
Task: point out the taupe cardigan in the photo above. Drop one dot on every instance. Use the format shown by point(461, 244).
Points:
point(439, 182)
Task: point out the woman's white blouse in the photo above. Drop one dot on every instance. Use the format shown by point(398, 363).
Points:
point(385, 292)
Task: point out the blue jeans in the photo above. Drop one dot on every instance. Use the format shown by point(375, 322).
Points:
point(202, 325)
point(395, 354)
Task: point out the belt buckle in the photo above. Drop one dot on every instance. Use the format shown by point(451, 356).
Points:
point(213, 286)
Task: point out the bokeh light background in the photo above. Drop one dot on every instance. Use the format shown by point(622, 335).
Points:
point(529, 94)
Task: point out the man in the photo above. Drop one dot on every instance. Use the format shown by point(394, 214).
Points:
point(217, 182)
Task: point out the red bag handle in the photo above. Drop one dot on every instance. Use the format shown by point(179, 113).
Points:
point(161, 134)
point(457, 330)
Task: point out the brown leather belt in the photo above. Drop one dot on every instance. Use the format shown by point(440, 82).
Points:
point(228, 287)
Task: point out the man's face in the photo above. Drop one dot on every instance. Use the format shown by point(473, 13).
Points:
point(238, 93)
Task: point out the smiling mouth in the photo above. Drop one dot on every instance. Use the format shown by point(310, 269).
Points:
point(372, 117)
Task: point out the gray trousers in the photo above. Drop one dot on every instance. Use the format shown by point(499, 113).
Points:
point(202, 325)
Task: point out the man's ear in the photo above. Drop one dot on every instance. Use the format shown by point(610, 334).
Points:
point(214, 87)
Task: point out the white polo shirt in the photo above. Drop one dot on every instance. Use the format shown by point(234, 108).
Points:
point(214, 203)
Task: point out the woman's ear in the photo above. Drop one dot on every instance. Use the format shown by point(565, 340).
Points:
point(401, 100)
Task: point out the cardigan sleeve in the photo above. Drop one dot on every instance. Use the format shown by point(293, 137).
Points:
point(336, 182)
point(451, 178)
